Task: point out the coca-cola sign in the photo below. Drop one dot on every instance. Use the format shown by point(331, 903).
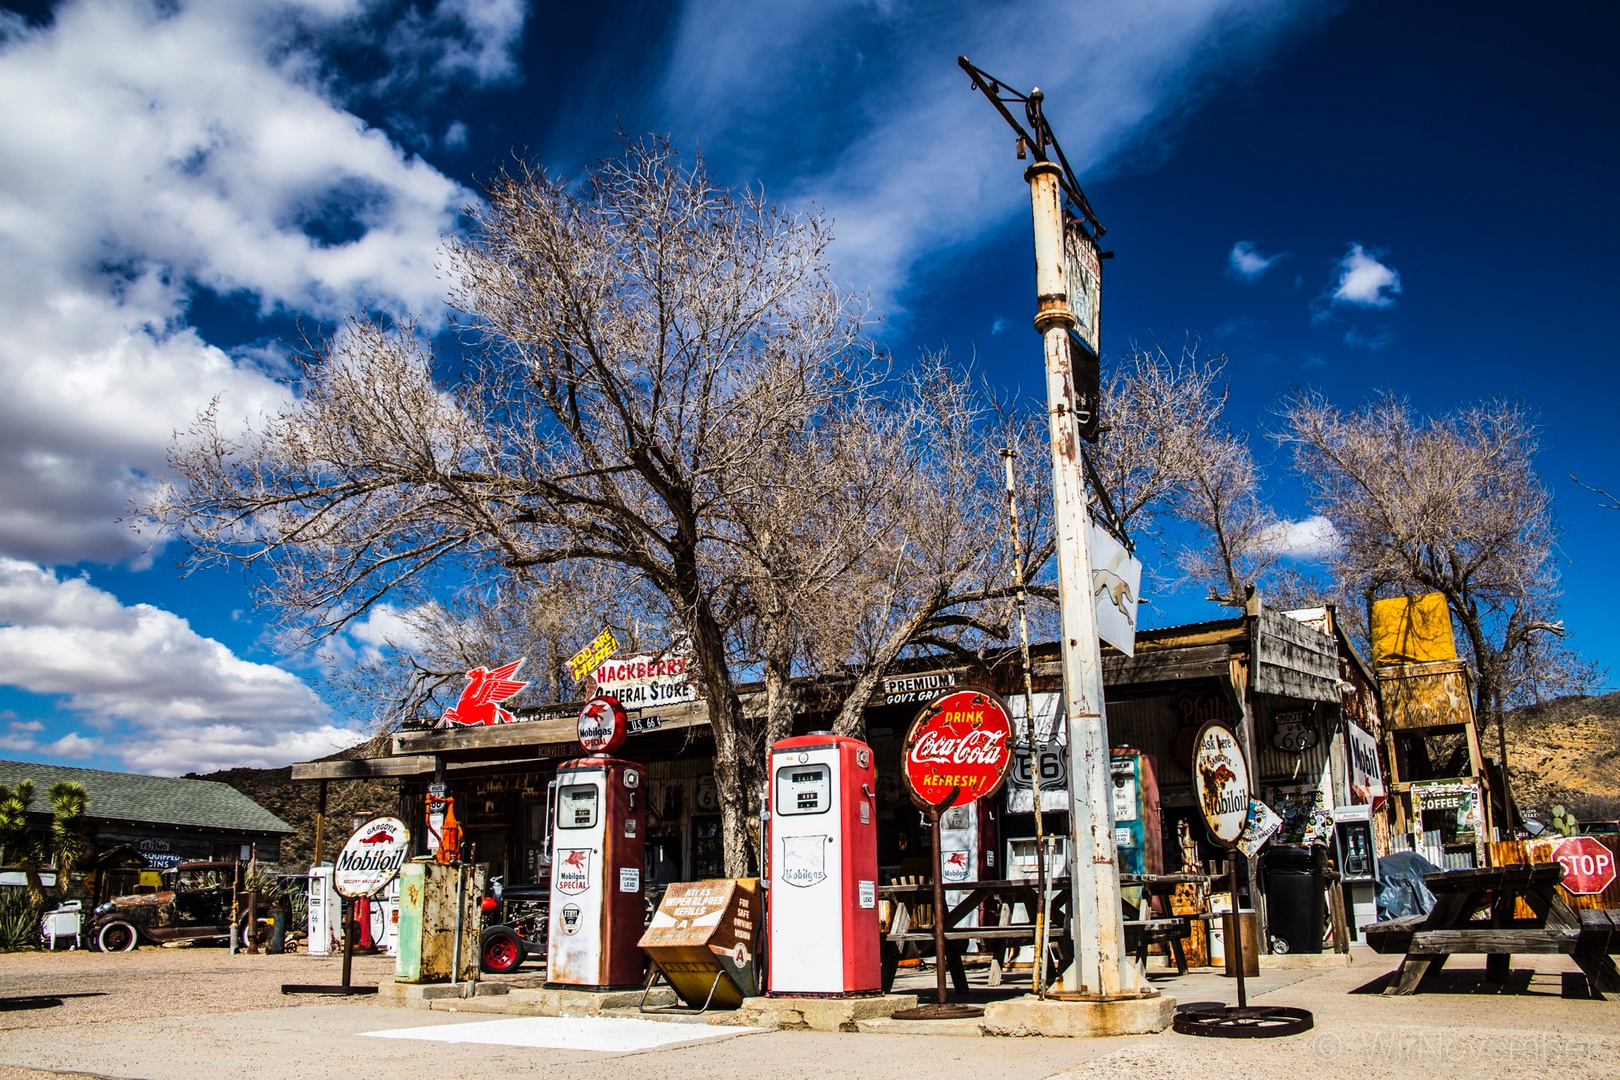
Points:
point(958, 748)
point(602, 725)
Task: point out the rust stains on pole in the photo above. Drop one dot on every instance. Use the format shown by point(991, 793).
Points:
point(1101, 970)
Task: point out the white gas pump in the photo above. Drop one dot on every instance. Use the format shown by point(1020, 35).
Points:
point(325, 914)
point(597, 908)
point(823, 918)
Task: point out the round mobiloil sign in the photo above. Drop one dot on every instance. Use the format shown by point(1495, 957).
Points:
point(1221, 781)
point(962, 744)
point(603, 725)
point(371, 858)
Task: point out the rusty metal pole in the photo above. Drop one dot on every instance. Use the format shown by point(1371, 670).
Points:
point(1101, 970)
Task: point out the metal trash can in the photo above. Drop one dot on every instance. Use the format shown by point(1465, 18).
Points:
point(1296, 905)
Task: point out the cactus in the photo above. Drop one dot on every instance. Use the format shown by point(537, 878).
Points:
point(1564, 822)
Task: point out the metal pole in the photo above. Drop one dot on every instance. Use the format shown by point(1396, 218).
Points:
point(1234, 943)
point(939, 912)
point(1100, 970)
point(1021, 600)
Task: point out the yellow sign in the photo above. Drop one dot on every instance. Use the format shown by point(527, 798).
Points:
point(1412, 630)
point(585, 661)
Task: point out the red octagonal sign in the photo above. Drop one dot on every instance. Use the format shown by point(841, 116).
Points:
point(1588, 865)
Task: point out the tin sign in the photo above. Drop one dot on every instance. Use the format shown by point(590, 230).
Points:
point(1221, 782)
point(584, 662)
point(647, 680)
point(371, 858)
point(958, 749)
point(602, 725)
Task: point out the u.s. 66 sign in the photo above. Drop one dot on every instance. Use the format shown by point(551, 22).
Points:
point(958, 748)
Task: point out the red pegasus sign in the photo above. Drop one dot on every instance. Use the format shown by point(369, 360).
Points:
point(480, 701)
point(958, 749)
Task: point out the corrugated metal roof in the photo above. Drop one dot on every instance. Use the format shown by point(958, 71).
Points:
point(158, 800)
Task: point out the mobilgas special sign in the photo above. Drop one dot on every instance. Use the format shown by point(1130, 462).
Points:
point(371, 858)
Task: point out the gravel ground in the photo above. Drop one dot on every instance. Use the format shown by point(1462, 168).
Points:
point(174, 1013)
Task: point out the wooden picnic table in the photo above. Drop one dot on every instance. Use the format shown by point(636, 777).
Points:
point(1475, 911)
point(1006, 893)
point(1145, 927)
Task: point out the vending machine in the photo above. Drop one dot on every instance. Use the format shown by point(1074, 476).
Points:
point(598, 847)
point(822, 915)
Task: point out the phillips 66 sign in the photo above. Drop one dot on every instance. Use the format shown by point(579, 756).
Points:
point(958, 749)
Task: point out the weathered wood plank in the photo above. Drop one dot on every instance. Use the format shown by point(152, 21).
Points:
point(363, 768)
point(1486, 940)
point(1295, 660)
point(1167, 665)
point(536, 732)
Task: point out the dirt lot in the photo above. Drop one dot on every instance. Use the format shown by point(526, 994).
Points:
point(174, 1013)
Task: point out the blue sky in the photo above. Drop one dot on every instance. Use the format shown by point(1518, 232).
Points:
point(1348, 196)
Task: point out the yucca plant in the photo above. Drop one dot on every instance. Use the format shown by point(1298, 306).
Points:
point(22, 848)
point(19, 919)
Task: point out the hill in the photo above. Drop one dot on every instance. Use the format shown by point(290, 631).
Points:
point(296, 802)
point(1566, 751)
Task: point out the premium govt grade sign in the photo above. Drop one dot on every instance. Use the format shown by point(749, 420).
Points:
point(958, 749)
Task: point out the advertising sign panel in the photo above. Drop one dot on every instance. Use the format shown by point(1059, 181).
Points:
point(371, 858)
point(647, 680)
point(480, 700)
point(1221, 782)
point(602, 725)
point(1116, 580)
point(1366, 776)
point(584, 662)
point(958, 749)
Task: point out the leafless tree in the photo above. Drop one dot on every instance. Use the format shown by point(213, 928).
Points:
point(1612, 503)
point(1450, 504)
point(663, 383)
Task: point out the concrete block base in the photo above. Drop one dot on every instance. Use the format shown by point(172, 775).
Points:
point(421, 995)
point(819, 1014)
point(542, 1002)
point(1078, 1019)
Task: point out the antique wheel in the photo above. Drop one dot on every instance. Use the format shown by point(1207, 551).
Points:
point(117, 937)
point(501, 951)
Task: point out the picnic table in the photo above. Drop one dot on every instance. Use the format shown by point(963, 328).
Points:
point(1479, 912)
point(906, 899)
point(1148, 923)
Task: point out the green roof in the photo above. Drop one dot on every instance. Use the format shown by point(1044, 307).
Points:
point(158, 800)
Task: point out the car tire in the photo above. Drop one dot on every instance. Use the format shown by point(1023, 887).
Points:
point(501, 951)
point(117, 936)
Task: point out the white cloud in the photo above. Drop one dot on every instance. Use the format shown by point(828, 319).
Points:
point(1311, 540)
point(161, 697)
point(150, 148)
point(998, 325)
point(921, 165)
point(1246, 262)
point(1365, 281)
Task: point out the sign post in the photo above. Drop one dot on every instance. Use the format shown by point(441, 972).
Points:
point(956, 752)
point(1221, 789)
point(369, 861)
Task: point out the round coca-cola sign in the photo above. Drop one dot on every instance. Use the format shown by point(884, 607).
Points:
point(958, 749)
point(602, 725)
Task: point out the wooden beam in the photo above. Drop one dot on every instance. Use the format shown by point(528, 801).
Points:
point(538, 732)
point(362, 768)
point(1167, 665)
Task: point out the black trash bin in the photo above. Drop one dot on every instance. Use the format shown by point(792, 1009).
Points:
point(1296, 905)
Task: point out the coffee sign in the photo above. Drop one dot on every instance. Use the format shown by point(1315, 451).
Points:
point(958, 749)
point(371, 858)
point(602, 725)
point(1221, 782)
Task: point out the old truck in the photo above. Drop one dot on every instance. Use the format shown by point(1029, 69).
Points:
point(193, 903)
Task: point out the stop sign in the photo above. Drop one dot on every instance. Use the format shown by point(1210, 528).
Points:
point(1588, 865)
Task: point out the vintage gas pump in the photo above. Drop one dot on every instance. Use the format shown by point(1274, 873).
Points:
point(822, 914)
point(598, 847)
point(1136, 817)
point(968, 843)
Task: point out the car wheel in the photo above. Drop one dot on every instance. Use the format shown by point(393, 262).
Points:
point(117, 937)
point(501, 951)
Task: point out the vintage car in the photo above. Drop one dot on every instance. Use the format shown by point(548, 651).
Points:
point(193, 903)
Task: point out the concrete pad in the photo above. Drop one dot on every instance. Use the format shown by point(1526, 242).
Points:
point(1078, 1019)
point(971, 1027)
point(538, 1001)
point(820, 1014)
point(418, 995)
point(615, 1035)
point(1305, 961)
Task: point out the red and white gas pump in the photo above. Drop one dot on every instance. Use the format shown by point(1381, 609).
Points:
point(968, 843)
point(598, 844)
point(822, 915)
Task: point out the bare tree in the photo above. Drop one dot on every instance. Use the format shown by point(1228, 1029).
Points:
point(1450, 504)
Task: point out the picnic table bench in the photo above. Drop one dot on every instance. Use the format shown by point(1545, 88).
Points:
point(1476, 912)
point(906, 898)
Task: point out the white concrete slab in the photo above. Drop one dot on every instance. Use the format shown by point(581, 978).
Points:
point(609, 1035)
